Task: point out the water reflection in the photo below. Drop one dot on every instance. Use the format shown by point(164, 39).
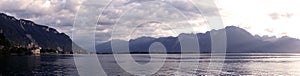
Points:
point(18, 64)
point(235, 64)
point(38, 65)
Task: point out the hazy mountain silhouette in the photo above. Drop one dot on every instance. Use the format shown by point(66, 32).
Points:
point(23, 32)
point(238, 41)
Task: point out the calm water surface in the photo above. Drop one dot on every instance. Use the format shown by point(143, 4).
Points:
point(234, 64)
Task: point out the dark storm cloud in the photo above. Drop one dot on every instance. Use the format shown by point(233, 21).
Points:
point(62, 13)
point(105, 23)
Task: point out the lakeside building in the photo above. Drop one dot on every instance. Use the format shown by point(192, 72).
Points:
point(34, 49)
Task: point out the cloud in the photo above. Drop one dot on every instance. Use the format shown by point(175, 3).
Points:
point(61, 15)
point(276, 16)
point(270, 30)
point(284, 33)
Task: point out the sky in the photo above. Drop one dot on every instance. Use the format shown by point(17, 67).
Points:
point(158, 19)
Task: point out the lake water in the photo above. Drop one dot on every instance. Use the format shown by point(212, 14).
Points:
point(194, 64)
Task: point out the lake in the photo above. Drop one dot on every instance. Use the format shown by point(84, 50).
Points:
point(193, 64)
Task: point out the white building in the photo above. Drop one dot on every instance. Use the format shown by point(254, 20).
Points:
point(36, 50)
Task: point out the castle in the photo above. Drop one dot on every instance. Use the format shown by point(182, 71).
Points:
point(34, 49)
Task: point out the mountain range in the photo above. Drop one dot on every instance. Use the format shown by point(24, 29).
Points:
point(238, 41)
point(23, 32)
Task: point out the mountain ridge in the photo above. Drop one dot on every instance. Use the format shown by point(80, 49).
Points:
point(238, 41)
point(24, 32)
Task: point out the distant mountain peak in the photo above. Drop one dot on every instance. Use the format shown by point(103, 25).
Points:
point(235, 28)
point(238, 41)
point(232, 27)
